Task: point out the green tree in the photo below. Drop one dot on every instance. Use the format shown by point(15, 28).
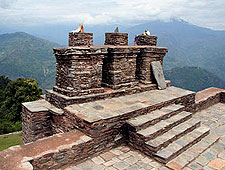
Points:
point(4, 82)
point(17, 92)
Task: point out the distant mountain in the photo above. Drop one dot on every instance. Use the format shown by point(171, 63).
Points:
point(23, 55)
point(193, 78)
point(188, 45)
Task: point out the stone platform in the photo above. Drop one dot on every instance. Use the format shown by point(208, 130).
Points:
point(99, 118)
point(117, 107)
point(72, 148)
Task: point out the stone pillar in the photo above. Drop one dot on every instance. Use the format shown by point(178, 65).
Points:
point(79, 70)
point(146, 40)
point(119, 39)
point(119, 67)
point(80, 39)
point(144, 72)
point(36, 122)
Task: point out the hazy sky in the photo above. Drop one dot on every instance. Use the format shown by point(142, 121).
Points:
point(206, 13)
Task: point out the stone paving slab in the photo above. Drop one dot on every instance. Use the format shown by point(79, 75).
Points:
point(120, 158)
point(42, 106)
point(109, 108)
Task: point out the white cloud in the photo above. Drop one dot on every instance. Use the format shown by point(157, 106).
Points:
point(5, 4)
point(208, 13)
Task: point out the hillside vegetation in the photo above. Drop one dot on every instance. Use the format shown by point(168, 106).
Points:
point(23, 55)
point(193, 78)
point(12, 95)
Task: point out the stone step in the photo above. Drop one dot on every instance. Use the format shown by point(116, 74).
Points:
point(151, 118)
point(188, 156)
point(163, 126)
point(175, 133)
point(182, 144)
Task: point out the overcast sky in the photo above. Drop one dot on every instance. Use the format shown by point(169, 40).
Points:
point(206, 13)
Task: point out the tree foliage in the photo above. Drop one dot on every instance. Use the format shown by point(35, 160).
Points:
point(4, 82)
point(13, 95)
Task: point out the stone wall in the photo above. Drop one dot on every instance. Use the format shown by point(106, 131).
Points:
point(207, 98)
point(38, 120)
point(80, 39)
point(55, 152)
point(146, 40)
point(120, 39)
point(69, 155)
point(35, 125)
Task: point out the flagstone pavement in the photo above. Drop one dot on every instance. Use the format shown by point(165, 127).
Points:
point(211, 158)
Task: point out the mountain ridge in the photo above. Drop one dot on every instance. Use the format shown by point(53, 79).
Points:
point(193, 78)
point(24, 55)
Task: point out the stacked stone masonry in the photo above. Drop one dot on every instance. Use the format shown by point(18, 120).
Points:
point(118, 39)
point(108, 95)
point(146, 40)
point(80, 39)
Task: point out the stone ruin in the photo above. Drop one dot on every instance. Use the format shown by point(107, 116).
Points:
point(105, 96)
point(86, 73)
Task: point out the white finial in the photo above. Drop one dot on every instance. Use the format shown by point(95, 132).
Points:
point(79, 29)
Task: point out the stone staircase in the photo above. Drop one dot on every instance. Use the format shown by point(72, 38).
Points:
point(165, 133)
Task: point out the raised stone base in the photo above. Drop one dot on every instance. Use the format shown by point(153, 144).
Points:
point(62, 101)
point(104, 116)
point(119, 86)
point(78, 93)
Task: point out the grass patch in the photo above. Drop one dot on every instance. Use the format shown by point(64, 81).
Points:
point(10, 140)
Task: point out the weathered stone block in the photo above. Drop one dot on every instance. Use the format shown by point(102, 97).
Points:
point(116, 39)
point(158, 74)
point(146, 40)
point(80, 39)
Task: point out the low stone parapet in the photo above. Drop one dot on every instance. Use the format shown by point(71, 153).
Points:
point(36, 117)
point(207, 98)
point(55, 152)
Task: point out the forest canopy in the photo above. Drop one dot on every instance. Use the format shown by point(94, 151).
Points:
point(12, 94)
